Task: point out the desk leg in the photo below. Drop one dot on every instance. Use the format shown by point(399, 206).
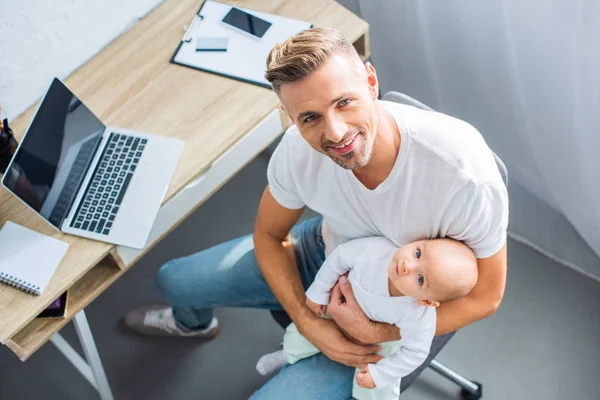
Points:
point(77, 361)
point(92, 370)
point(91, 354)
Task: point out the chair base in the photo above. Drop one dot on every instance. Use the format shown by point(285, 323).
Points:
point(469, 390)
point(466, 395)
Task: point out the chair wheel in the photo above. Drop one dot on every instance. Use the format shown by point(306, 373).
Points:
point(466, 395)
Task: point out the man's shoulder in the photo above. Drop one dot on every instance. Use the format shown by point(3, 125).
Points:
point(445, 135)
point(455, 144)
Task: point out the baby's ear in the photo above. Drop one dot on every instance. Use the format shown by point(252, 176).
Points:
point(430, 303)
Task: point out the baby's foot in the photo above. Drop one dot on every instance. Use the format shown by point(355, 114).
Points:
point(271, 362)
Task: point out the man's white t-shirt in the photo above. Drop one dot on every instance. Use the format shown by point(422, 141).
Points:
point(445, 183)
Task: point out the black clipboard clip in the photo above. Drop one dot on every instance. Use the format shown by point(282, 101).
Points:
point(187, 37)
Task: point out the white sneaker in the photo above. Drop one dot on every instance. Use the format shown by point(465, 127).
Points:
point(159, 321)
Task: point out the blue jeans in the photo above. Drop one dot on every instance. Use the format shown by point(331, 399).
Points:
point(227, 275)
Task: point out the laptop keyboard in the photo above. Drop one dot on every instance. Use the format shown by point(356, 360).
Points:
point(104, 194)
point(72, 183)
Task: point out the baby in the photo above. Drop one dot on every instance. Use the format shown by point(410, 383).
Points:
point(400, 286)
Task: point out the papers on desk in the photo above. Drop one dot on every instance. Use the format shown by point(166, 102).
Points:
point(28, 259)
point(245, 58)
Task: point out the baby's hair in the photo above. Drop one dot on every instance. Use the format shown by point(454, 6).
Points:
point(464, 272)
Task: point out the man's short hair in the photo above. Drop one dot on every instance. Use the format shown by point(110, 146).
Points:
point(302, 54)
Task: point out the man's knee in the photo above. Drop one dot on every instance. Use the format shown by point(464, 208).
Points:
point(173, 282)
point(166, 279)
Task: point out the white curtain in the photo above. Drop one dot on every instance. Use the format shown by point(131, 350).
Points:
point(527, 75)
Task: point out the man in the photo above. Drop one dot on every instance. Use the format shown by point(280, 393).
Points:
point(371, 168)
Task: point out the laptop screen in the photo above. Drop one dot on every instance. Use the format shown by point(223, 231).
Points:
point(49, 166)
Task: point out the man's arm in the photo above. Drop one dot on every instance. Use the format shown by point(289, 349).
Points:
point(274, 253)
point(275, 259)
point(479, 218)
point(482, 302)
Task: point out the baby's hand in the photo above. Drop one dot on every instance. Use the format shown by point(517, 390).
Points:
point(364, 379)
point(317, 309)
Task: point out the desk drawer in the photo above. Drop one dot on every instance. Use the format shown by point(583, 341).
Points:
point(208, 182)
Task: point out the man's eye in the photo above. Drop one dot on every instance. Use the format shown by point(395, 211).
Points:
point(421, 280)
point(344, 102)
point(310, 118)
point(418, 254)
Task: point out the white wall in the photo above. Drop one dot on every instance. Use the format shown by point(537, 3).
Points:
point(41, 39)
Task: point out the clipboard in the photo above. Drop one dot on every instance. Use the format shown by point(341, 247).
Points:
point(245, 58)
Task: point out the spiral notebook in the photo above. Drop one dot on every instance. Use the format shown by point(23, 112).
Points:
point(28, 259)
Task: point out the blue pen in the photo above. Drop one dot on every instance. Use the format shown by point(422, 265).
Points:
point(6, 127)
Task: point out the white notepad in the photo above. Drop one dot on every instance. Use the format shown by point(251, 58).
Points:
point(28, 259)
point(245, 58)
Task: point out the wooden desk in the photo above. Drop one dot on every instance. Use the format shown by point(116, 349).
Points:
point(131, 84)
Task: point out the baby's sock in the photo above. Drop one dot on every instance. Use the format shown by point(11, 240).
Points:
point(271, 362)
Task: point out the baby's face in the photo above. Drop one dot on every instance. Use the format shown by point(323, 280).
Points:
point(417, 269)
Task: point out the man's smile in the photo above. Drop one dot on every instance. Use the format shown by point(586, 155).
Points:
point(345, 147)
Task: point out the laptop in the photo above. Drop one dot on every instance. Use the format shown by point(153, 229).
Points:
point(87, 179)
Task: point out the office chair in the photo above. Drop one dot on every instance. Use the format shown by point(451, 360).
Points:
point(470, 390)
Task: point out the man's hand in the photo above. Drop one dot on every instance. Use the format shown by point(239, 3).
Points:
point(364, 379)
point(351, 319)
point(327, 337)
point(317, 309)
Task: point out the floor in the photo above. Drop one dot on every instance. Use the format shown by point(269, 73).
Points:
point(542, 344)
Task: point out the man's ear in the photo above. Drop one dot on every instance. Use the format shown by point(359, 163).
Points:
point(285, 111)
point(372, 80)
point(429, 303)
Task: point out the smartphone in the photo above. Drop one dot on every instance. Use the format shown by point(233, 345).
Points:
point(212, 44)
point(246, 23)
point(57, 309)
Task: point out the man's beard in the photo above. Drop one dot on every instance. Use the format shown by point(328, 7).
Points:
point(353, 160)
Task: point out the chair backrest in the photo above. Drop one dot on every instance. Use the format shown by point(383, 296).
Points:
point(402, 98)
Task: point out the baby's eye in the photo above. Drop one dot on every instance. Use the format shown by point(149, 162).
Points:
point(418, 254)
point(421, 280)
